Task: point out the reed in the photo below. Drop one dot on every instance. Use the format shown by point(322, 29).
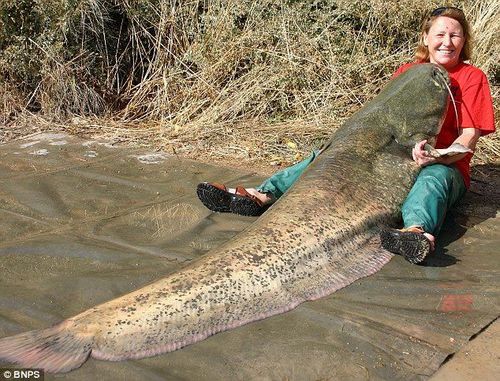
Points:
point(258, 80)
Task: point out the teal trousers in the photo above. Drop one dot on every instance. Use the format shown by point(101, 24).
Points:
point(436, 189)
point(279, 183)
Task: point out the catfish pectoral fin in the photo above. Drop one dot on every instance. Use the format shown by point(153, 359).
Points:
point(55, 349)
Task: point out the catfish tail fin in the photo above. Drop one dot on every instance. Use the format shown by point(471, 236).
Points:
point(55, 349)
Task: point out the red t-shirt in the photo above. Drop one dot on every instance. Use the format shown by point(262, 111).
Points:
point(472, 95)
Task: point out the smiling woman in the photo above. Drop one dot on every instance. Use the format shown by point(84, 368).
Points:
point(445, 39)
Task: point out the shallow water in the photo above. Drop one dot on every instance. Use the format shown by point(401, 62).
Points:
point(85, 222)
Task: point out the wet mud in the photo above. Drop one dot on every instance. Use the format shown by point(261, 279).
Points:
point(82, 222)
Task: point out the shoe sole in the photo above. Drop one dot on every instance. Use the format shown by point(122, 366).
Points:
point(214, 198)
point(414, 247)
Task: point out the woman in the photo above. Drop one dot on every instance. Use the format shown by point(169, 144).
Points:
point(445, 40)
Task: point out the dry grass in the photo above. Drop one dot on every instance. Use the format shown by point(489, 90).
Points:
point(157, 219)
point(258, 81)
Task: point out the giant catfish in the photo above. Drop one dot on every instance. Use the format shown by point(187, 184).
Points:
point(321, 236)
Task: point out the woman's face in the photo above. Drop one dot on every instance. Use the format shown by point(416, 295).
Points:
point(445, 41)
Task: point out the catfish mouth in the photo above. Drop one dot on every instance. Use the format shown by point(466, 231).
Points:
point(441, 78)
point(411, 140)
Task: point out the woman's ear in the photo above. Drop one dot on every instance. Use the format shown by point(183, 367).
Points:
point(425, 39)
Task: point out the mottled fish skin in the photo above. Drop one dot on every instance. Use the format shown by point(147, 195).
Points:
point(320, 237)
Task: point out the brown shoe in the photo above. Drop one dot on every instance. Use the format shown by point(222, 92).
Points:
point(246, 204)
point(411, 243)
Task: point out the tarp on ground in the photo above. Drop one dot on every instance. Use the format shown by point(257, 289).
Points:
point(83, 222)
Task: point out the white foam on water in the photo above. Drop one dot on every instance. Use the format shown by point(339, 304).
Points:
point(152, 158)
point(59, 143)
point(30, 144)
point(40, 152)
point(90, 154)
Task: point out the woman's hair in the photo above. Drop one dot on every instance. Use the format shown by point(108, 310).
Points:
point(422, 53)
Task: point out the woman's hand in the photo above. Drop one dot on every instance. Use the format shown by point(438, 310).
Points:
point(421, 156)
point(467, 137)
